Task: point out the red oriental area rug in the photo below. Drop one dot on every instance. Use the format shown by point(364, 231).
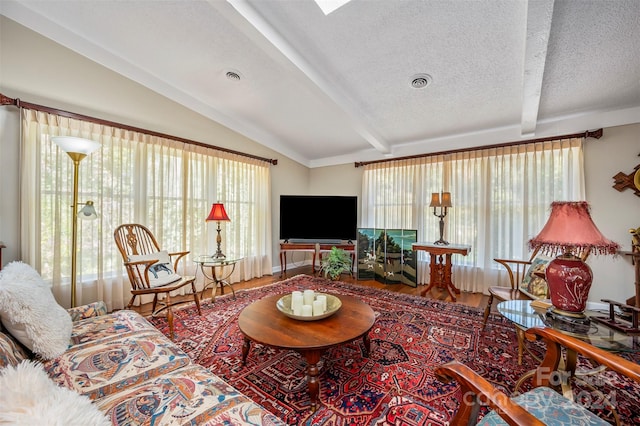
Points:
point(395, 385)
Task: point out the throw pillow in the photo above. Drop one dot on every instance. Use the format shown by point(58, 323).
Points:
point(30, 313)
point(533, 284)
point(161, 273)
point(29, 397)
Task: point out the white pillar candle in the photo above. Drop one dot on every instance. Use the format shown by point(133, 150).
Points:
point(296, 301)
point(323, 299)
point(309, 297)
point(317, 308)
point(307, 311)
point(297, 311)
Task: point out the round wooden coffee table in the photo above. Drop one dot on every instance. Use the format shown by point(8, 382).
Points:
point(263, 323)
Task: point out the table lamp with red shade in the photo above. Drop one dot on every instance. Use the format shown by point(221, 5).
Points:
point(571, 233)
point(218, 214)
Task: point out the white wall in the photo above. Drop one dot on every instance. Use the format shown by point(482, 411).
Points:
point(613, 212)
point(345, 179)
point(37, 70)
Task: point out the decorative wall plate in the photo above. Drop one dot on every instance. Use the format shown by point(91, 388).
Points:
point(284, 305)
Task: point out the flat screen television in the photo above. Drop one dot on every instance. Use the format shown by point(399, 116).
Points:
point(318, 218)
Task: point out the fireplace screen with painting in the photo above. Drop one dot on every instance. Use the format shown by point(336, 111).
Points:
point(386, 255)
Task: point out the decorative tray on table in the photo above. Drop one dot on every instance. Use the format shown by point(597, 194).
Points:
point(333, 305)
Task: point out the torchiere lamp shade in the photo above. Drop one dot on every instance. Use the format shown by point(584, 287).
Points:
point(570, 231)
point(77, 149)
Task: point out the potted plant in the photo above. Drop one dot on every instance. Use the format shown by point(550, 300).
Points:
point(335, 263)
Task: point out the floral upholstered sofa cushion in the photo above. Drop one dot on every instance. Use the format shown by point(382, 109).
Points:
point(188, 393)
point(136, 375)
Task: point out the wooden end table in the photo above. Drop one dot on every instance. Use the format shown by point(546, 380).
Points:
point(440, 270)
point(263, 323)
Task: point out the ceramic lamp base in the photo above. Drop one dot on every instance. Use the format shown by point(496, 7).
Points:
point(569, 280)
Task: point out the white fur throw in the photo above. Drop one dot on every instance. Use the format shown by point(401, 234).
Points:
point(29, 397)
point(30, 313)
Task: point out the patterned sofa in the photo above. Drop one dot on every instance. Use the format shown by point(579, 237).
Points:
point(135, 375)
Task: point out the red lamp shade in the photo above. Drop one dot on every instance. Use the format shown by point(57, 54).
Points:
point(570, 231)
point(217, 213)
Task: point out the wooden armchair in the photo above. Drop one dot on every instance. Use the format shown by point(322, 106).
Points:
point(516, 270)
point(541, 405)
point(151, 270)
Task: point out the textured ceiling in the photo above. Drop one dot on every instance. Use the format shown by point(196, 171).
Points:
point(335, 89)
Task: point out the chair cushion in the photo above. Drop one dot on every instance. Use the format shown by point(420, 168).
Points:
point(532, 284)
point(30, 313)
point(549, 407)
point(161, 273)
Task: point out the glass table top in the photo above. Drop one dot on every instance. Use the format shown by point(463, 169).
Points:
point(211, 260)
point(522, 314)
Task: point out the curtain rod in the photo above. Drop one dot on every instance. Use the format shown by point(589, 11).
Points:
point(5, 100)
point(596, 134)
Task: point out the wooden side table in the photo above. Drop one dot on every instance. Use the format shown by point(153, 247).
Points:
point(304, 247)
point(315, 249)
point(440, 270)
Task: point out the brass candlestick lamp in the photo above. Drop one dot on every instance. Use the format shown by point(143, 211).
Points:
point(443, 201)
point(218, 214)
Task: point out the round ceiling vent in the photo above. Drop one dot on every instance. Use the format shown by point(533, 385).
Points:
point(233, 75)
point(420, 81)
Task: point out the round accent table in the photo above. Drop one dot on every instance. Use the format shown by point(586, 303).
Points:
point(218, 276)
point(263, 323)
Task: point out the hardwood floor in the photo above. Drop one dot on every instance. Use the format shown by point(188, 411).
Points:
point(470, 299)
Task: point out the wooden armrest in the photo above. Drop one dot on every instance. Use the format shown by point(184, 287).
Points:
point(555, 340)
point(516, 270)
point(180, 255)
point(475, 391)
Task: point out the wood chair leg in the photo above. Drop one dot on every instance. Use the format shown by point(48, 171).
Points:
point(487, 310)
point(170, 316)
point(133, 298)
point(155, 303)
point(195, 297)
point(520, 336)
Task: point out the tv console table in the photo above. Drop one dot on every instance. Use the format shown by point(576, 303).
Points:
point(316, 249)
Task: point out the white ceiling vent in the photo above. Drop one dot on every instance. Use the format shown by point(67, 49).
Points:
point(233, 75)
point(420, 81)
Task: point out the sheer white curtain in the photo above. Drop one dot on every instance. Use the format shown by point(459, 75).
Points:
point(501, 199)
point(166, 185)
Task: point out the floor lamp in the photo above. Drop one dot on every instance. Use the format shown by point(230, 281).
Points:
point(77, 149)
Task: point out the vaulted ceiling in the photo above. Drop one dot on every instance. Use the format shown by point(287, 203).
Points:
point(343, 87)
